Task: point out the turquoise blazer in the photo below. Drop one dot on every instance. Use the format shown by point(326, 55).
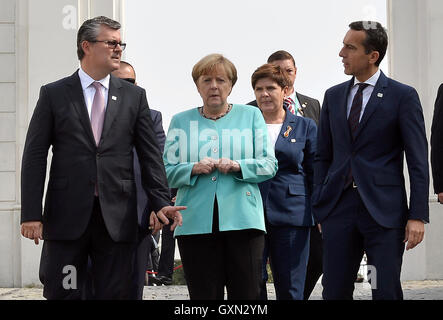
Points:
point(242, 136)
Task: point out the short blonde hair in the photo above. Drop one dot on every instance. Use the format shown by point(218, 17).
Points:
point(208, 64)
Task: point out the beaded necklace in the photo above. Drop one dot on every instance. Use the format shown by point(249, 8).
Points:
point(200, 109)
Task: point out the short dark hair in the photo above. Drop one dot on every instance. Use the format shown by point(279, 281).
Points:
point(281, 55)
point(376, 37)
point(273, 72)
point(89, 31)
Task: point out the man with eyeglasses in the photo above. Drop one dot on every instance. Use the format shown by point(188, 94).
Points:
point(93, 121)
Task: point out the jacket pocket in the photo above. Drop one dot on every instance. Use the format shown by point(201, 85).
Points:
point(297, 189)
point(127, 186)
point(250, 196)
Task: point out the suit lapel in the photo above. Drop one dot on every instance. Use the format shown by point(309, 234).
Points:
point(374, 101)
point(343, 108)
point(305, 106)
point(288, 127)
point(77, 99)
point(114, 100)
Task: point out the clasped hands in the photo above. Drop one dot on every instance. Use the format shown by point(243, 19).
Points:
point(208, 165)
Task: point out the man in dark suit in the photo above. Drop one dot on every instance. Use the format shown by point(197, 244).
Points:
point(93, 121)
point(303, 106)
point(145, 245)
point(437, 145)
point(367, 125)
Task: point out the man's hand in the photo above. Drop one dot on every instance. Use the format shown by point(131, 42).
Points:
point(205, 166)
point(32, 230)
point(172, 213)
point(440, 197)
point(154, 224)
point(227, 165)
point(415, 232)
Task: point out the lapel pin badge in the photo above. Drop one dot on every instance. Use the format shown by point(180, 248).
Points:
point(288, 130)
point(114, 98)
point(380, 95)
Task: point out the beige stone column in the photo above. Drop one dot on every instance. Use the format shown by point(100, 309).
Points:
point(415, 59)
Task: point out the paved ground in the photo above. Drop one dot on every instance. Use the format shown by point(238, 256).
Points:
point(413, 290)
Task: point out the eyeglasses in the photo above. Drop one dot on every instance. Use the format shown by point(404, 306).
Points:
point(112, 44)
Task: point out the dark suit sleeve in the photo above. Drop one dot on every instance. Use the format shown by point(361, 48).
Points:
point(412, 126)
point(158, 128)
point(38, 141)
point(317, 111)
point(437, 143)
point(323, 156)
point(310, 150)
point(152, 169)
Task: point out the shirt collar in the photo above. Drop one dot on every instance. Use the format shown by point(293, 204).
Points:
point(86, 80)
point(372, 80)
point(293, 96)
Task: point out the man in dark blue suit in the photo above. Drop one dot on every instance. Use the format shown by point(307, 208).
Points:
point(437, 145)
point(367, 125)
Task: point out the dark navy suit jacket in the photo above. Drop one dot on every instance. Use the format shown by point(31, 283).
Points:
point(392, 126)
point(143, 208)
point(286, 197)
point(437, 143)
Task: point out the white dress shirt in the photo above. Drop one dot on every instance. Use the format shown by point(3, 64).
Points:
point(366, 92)
point(273, 132)
point(89, 90)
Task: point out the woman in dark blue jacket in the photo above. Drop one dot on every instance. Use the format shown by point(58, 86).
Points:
point(287, 196)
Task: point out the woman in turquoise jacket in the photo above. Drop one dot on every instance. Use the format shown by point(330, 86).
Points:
point(216, 155)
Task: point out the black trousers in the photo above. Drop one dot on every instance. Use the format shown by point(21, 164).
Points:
point(63, 264)
point(213, 261)
point(166, 263)
point(142, 252)
point(231, 259)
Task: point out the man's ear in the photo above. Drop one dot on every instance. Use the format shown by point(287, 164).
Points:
point(373, 57)
point(86, 46)
point(286, 90)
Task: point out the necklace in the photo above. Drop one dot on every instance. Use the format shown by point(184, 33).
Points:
point(200, 109)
